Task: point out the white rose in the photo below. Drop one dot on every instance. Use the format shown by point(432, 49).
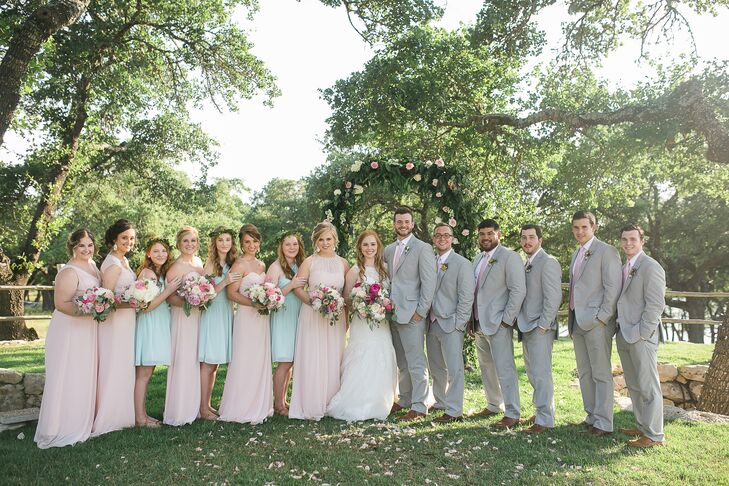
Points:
point(358, 189)
point(337, 192)
point(417, 177)
point(355, 167)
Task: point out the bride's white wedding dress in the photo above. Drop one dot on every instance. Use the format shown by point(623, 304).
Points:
point(369, 371)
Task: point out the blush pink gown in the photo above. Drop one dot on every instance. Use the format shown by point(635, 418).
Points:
point(115, 385)
point(69, 394)
point(248, 392)
point(319, 348)
point(182, 400)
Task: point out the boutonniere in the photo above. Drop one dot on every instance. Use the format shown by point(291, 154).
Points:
point(528, 268)
point(632, 272)
point(588, 254)
point(492, 261)
point(406, 250)
point(443, 267)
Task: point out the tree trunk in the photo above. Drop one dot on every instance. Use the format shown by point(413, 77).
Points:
point(11, 304)
point(25, 44)
point(696, 310)
point(715, 393)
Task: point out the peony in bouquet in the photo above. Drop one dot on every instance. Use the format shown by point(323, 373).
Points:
point(197, 291)
point(371, 302)
point(139, 294)
point(97, 302)
point(328, 301)
point(267, 295)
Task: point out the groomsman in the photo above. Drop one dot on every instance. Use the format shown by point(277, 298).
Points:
point(411, 264)
point(500, 291)
point(447, 321)
point(640, 306)
point(537, 321)
point(595, 284)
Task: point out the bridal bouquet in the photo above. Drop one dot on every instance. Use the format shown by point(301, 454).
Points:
point(97, 302)
point(328, 301)
point(371, 302)
point(139, 294)
point(198, 291)
point(266, 295)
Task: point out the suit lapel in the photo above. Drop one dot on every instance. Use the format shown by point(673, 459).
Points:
point(440, 273)
point(494, 256)
point(405, 252)
point(585, 261)
point(630, 278)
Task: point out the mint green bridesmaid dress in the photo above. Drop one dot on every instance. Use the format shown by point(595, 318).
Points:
point(283, 326)
point(215, 343)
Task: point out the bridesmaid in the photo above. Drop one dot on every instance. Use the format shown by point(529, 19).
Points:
point(152, 342)
point(283, 322)
point(319, 346)
point(182, 400)
point(216, 322)
point(69, 394)
point(115, 388)
point(248, 391)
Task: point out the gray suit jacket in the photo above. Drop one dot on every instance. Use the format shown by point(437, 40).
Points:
point(641, 301)
point(412, 282)
point(543, 294)
point(597, 286)
point(502, 290)
point(453, 298)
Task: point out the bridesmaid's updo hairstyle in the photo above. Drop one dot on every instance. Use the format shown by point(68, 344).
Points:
point(322, 228)
point(119, 227)
point(213, 257)
point(182, 232)
point(75, 238)
point(249, 230)
point(379, 256)
point(298, 259)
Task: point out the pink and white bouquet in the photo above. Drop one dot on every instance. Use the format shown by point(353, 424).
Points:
point(139, 294)
point(266, 295)
point(197, 291)
point(371, 302)
point(97, 302)
point(328, 301)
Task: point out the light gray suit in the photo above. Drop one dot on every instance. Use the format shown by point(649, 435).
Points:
point(595, 290)
point(537, 320)
point(412, 285)
point(451, 308)
point(499, 299)
point(640, 306)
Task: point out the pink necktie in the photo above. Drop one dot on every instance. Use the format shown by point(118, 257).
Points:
point(396, 258)
point(437, 271)
point(575, 272)
point(484, 264)
point(626, 271)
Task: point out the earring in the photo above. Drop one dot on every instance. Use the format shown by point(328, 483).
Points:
point(114, 247)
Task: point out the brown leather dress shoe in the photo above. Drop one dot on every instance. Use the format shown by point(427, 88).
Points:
point(528, 421)
point(445, 418)
point(537, 429)
point(635, 432)
point(396, 407)
point(485, 413)
point(505, 423)
point(644, 442)
point(410, 416)
point(599, 432)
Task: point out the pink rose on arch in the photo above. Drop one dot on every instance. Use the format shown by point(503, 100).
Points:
point(438, 194)
point(439, 163)
point(465, 232)
point(452, 222)
point(409, 166)
point(348, 185)
point(374, 164)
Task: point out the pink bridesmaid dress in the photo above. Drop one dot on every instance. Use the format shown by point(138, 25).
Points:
point(248, 392)
point(115, 385)
point(182, 400)
point(319, 348)
point(69, 395)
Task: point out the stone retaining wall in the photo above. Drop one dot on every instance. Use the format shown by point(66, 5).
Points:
point(20, 390)
point(681, 386)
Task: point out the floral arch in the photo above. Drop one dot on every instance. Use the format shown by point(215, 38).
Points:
point(441, 188)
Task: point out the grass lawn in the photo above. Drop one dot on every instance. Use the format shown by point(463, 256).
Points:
point(284, 451)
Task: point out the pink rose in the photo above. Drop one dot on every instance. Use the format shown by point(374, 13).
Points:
point(138, 284)
point(465, 232)
point(374, 165)
point(348, 185)
point(409, 166)
point(374, 288)
point(99, 308)
point(452, 222)
point(438, 194)
point(439, 163)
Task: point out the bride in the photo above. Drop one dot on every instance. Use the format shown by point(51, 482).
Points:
point(369, 370)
